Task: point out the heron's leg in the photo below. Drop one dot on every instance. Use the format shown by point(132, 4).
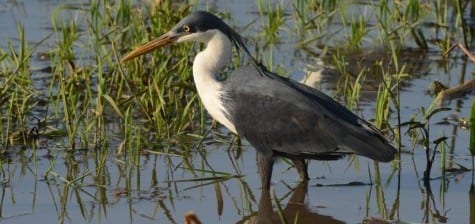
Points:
point(301, 166)
point(265, 162)
point(297, 199)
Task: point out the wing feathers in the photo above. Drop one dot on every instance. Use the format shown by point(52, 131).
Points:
point(292, 119)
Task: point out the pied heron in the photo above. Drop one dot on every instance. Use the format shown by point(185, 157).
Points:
point(279, 117)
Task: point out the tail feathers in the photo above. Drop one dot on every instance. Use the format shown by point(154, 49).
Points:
point(371, 146)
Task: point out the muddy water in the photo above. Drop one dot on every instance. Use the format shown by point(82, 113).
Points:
point(161, 189)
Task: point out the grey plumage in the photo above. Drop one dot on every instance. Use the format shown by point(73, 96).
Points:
point(278, 116)
point(297, 121)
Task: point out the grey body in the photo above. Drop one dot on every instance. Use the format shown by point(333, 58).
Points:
point(281, 116)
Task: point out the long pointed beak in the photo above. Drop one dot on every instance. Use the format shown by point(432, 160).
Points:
point(161, 41)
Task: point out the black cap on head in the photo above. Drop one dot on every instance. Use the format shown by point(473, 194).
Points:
point(202, 21)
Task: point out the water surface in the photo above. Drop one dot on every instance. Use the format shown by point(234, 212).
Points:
point(161, 189)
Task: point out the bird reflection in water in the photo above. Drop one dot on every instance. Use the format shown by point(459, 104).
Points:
point(296, 209)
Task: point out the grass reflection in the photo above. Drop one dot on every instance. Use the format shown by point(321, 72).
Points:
point(85, 139)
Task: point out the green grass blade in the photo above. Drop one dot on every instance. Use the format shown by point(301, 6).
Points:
point(471, 197)
point(472, 130)
point(114, 105)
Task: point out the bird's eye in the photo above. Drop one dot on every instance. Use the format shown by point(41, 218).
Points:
point(186, 28)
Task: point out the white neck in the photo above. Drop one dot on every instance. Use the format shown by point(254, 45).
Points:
point(209, 62)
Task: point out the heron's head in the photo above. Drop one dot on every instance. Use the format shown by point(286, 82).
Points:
point(199, 26)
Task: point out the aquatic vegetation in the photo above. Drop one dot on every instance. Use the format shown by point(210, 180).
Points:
point(92, 131)
point(472, 134)
point(424, 127)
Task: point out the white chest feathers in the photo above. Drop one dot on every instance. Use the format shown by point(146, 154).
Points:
point(207, 63)
point(211, 96)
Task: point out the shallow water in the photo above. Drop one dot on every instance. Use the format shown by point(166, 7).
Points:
point(161, 189)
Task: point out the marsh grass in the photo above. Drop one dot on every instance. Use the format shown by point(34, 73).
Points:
point(76, 87)
point(472, 130)
point(16, 93)
point(274, 19)
point(430, 146)
point(472, 137)
point(98, 108)
point(88, 89)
